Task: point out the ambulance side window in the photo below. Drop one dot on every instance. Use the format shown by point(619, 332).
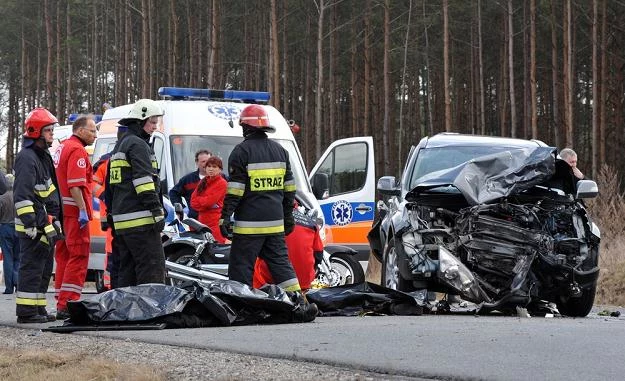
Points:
point(346, 167)
point(159, 146)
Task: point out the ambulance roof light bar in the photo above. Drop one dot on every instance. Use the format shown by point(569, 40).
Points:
point(72, 117)
point(237, 95)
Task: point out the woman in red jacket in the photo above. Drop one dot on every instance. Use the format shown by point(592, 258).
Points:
point(208, 197)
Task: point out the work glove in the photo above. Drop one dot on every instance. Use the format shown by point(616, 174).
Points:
point(225, 227)
point(289, 224)
point(31, 232)
point(83, 218)
point(159, 219)
point(58, 228)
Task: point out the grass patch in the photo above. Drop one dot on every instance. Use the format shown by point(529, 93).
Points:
point(31, 365)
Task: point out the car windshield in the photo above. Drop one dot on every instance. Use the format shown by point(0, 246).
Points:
point(430, 160)
point(184, 147)
point(103, 145)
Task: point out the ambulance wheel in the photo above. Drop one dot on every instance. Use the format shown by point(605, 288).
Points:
point(348, 268)
point(99, 281)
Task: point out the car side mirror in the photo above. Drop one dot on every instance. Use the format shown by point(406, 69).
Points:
point(586, 189)
point(321, 186)
point(388, 186)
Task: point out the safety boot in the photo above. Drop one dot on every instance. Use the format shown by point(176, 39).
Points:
point(33, 319)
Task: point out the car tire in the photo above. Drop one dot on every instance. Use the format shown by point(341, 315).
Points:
point(348, 267)
point(391, 277)
point(582, 305)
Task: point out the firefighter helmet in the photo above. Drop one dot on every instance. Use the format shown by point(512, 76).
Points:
point(255, 116)
point(36, 120)
point(144, 109)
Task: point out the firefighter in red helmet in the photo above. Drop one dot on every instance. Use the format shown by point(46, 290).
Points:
point(260, 193)
point(38, 209)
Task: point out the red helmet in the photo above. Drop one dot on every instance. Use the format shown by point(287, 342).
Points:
point(36, 120)
point(255, 116)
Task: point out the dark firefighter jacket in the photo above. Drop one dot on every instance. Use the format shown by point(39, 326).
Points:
point(35, 193)
point(134, 185)
point(261, 187)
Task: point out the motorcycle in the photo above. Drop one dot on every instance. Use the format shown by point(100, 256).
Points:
point(193, 254)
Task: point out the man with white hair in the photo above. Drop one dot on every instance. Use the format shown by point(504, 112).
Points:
point(570, 157)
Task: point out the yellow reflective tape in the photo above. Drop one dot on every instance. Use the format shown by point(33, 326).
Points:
point(27, 301)
point(266, 183)
point(236, 192)
point(295, 287)
point(134, 223)
point(119, 163)
point(115, 175)
point(45, 193)
point(144, 188)
point(290, 188)
point(155, 164)
point(258, 230)
point(26, 209)
point(49, 229)
point(271, 172)
point(44, 239)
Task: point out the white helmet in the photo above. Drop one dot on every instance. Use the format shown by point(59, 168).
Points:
point(143, 109)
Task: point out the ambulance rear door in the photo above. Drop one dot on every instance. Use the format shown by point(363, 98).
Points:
point(349, 203)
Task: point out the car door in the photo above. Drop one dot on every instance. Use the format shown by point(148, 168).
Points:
point(348, 205)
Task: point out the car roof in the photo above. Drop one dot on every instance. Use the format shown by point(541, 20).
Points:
point(446, 139)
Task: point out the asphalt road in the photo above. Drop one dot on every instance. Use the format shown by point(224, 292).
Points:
point(458, 347)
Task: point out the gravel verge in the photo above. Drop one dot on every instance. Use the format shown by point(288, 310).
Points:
point(180, 363)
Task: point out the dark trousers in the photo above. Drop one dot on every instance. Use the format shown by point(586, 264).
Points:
point(10, 245)
point(36, 260)
point(272, 249)
point(113, 265)
point(142, 259)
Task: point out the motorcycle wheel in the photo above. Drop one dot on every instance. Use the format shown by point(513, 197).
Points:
point(182, 257)
point(349, 269)
point(391, 277)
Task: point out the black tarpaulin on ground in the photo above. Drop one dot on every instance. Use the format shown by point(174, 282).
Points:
point(223, 303)
point(362, 298)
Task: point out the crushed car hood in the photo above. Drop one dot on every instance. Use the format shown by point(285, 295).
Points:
point(488, 178)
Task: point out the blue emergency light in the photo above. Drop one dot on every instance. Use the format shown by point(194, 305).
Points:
point(72, 117)
point(240, 95)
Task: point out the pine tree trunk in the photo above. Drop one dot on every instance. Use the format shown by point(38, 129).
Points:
point(319, 89)
point(603, 85)
point(481, 66)
point(513, 131)
point(428, 77)
point(554, 79)
point(275, 56)
point(446, 67)
point(403, 89)
point(386, 138)
point(367, 69)
point(568, 75)
point(595, 87)
point(533, 97)
point(49, 99)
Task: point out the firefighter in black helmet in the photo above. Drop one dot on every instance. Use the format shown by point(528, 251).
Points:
point(136, 211)
point(260, 193)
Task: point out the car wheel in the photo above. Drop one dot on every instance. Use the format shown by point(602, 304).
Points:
point(348, 268)
point(182, 257)
point(581, 306)
point(391, 277)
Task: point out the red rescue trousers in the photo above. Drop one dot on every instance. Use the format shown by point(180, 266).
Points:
point(72, 260)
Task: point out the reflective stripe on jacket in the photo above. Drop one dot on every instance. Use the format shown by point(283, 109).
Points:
point(134, 185)
point(261, 187)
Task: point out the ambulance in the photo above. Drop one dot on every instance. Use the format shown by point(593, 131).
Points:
point(343, 190)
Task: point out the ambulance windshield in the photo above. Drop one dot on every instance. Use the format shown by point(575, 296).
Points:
point(184, 147)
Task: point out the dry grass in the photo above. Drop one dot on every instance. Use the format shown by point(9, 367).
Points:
point(30, 365)
point(608, 211)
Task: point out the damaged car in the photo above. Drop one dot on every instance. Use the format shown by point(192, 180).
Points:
point(498, 222)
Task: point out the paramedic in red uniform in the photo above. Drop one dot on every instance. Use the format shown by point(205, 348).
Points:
point(38, 209)
point(304, 245)
point(260, 193)
point(189, 182)
point(74, 172)
point(208, 197)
